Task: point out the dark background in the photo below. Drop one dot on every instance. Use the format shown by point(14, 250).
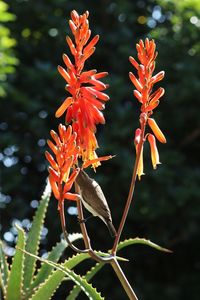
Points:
point(166, 203)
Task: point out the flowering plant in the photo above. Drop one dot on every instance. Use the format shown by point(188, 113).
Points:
point(83, 111)
point(72, 150)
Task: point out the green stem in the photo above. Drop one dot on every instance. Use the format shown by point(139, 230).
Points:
point(124, 281)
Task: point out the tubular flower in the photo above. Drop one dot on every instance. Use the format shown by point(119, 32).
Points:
point(62, 170)
point(149, 99)
point(84, 106)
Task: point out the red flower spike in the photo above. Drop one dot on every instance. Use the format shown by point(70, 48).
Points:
point(87, 97)
point(149, 99)
point(66, 154)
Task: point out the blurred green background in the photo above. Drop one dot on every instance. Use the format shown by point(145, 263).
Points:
point(167, 201)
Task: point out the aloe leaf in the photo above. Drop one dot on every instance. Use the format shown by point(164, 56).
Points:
point(33, 239)
point(142, 241)
point(15, 280)
point(4, 269)
point(47, 288)
point(45, 291)
point(89, 275)
point(54, 256)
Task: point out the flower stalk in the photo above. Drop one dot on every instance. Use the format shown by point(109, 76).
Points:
point(74, 147)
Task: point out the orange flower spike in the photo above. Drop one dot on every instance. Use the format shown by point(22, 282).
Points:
point(154, 151)
point(87, 99)
point(65, 160)
point(144, 82)
point(156, 130)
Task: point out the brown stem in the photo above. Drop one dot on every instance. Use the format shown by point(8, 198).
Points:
point(65, 233)
point(131, 190)
point(81, 218)
point(121, 276)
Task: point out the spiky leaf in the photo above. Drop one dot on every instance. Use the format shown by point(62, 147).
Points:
point(33, 239)
point(47, 289)
point(54, 256)
point(89, 275)
point(142, 241)
point(15, 280)
point(4, 270)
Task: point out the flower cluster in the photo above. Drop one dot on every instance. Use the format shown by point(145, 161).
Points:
point(148, 98)
point(83, 111)
point(63, 170)
point(85, 104)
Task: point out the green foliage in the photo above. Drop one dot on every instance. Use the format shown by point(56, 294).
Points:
point(14, 289)
point(7, 58)
point(4, 272)
point(13, 282)
point(141, 241)
point(47, 289)
point(54, 256)
point(89, 275)
point(33, 239)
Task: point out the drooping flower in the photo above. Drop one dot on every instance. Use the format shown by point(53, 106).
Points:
point(149, 99)
point(154, 151)
point(62, 169)
point(84, 106)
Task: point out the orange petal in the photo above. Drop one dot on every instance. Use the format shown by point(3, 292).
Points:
point(72, 26)
point(154, 151)
point(100, 75)
point(152, 106)
point(51, 160)
point(157, 95)
point(91, 44)
point(52, 146)
point(53, 174)
point(86, 55)
point(60, 111)
point(71, 46)
point(157, 77)
point(138, 95)
point(54, 187)
point(74, 16)
point(156, 130)
point(56, 138)
point(70, 196)
point(134, 80)
point(64, 74)
point(133, 62)
point(68, 62)
point(94, 161)
point(72, 178)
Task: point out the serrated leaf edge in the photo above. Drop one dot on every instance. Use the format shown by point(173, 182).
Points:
point(88, 276)
point(143, 241)
point(45, 196)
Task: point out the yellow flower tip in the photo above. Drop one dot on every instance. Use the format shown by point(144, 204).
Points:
point(156, 130)
point(140, 169)
point(154, 151)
